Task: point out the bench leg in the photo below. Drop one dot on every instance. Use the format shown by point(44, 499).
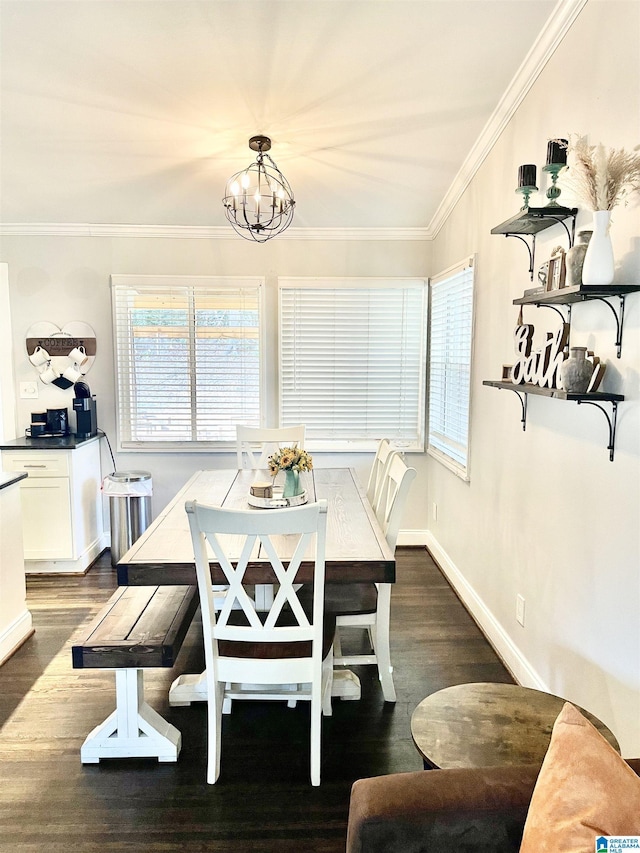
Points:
point(134, 729)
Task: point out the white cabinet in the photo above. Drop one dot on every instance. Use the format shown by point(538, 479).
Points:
point(46, 512)
point(15, 619)
point(61, 505)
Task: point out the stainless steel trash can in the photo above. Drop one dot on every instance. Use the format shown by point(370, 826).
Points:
point(129, 508)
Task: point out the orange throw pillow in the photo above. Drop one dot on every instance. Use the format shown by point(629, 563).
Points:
point(584, 790)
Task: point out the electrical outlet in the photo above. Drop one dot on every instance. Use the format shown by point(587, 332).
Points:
point(520, 610)
point(434, 511)
point(28, 390)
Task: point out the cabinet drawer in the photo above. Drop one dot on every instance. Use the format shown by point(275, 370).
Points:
point(37, 464)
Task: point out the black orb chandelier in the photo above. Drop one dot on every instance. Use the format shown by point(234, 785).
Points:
point(258, 201)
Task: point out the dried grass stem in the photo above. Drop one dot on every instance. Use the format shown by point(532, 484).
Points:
point(601, 178)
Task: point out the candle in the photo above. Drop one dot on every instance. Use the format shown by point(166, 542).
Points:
point(557, 152)
point(527, 176)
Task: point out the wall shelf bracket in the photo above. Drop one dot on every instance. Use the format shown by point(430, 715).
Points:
point(571, 232)
point(531, 248)
point(557, 310)
point(618, 316)
point(611, 422)
point(523, 403)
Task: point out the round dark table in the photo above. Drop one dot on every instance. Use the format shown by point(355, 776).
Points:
point(484, 724)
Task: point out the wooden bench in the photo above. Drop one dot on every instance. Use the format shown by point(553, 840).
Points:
point(139, 627)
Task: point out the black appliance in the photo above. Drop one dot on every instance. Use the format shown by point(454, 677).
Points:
point(86, 421)
point(57, 422)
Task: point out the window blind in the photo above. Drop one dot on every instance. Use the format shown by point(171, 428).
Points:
point(352, 359)
point(187, 358)
point(451, 327)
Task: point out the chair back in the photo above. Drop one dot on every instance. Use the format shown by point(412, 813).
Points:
point(254, 445)
point(393, 498)
point(285, 537)
point(378, 469)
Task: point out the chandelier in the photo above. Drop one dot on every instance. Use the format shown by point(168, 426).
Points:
point(258, 201)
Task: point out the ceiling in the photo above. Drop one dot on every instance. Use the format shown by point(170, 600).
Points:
point(137, 111)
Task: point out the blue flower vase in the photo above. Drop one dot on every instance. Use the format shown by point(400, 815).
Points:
point(291, 483)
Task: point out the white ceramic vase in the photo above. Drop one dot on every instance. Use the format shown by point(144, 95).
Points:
point(598, 266)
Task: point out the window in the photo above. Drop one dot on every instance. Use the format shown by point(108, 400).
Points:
point(187, 358)
point(451, 329)
point(353, 360)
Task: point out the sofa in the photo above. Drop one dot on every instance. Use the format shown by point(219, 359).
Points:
point(476, 810)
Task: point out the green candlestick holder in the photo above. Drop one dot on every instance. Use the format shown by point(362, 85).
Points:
point(554, 191)
point(526, 193)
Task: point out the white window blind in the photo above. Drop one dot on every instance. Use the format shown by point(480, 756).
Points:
point(187, 358)
point(451, 328)
point(353, 360)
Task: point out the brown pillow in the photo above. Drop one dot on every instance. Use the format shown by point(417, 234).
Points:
point(584, 790)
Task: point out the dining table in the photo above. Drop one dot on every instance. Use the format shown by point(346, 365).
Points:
point(356, 549)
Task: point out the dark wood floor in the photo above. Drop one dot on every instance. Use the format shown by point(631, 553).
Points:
point(263, 800)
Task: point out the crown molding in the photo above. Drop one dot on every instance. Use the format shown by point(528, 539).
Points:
point(551, 35)
point(356, 234)
point(200, 232)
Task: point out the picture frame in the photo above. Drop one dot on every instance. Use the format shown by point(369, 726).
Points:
point(557, 270)
point(543, 275)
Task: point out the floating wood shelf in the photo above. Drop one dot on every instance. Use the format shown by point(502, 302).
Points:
point(534, 219)
point(595, 398)
point(530, 221)
point(584, 293)
point(577, 293)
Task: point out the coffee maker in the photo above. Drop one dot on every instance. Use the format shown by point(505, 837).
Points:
point(84, 405)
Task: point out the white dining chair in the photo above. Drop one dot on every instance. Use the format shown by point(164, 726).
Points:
point(379, 466)
point(368, 605)
point(254, 445)
point(249, 654)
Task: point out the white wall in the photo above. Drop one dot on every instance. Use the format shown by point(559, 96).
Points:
point(546, 514)
point(62, 279)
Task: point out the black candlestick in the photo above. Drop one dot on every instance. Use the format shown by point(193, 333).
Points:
point(527, 175)
point(557, 152)
point(526, 182)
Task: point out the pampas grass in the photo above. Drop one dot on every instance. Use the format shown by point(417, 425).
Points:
point(601, 178)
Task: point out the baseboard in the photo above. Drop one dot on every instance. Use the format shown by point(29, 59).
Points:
point(14, 635)
point(504, 646)
point(78, 566)
point(413, 538)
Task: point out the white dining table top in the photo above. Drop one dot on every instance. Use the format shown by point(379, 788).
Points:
point(356, 550)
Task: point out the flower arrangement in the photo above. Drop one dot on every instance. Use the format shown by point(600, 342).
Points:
point(290, 459)
point(601, 178)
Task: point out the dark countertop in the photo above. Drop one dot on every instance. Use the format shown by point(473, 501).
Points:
point(9, 479)
point(65, 442)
